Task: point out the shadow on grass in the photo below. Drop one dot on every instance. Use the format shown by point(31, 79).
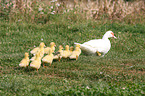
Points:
point(27, 69)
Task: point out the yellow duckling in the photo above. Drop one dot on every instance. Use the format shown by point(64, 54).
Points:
point(66, 52)
point(58, 54)
point(52, 46)
point(35, 50)
point(71, 49)
point(75, 54)
point(37, 62)
point(77, 45)
point(48, 58)
point(34, 57)
point(40, 50)
point(25, 61)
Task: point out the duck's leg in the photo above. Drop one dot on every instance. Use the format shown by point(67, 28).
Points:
point(59, 59)
point(77, 57)
point(43, 64)
point(27, 67)
point(99, 54)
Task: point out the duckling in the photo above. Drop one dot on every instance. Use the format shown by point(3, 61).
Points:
point(71, 49)
point(58, 54)
point(37, 62)
point(35, 50)
point(77, 45)
point(75, 54)
point(66, 52)
point(25, 61)
point(33, 58)
point(52, 46)
point(48, 58)
point(41, 51)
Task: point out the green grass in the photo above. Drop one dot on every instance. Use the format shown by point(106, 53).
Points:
point(120, 72)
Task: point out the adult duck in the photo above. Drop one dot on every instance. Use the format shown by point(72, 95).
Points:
point(97, 46)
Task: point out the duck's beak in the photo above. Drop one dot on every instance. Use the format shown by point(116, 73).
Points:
point(114, 37)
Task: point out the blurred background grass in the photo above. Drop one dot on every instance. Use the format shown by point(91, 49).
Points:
point(43, 11)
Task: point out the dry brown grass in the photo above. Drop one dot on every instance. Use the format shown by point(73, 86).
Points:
point(30, 10)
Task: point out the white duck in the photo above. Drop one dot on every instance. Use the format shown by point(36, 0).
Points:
point(97, 46)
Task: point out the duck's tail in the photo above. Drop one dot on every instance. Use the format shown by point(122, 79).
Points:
point(76, 43)
point(22, 65)
point(86, 48)
point(82, 46)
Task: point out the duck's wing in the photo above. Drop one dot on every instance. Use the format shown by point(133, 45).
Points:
point(34, 50)
point(99, 44)
point(94, 43)
point(46, 50)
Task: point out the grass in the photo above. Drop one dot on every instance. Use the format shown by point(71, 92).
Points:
point(120, 72)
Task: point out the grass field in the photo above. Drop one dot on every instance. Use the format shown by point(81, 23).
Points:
point(120, 72)
point(24, 24)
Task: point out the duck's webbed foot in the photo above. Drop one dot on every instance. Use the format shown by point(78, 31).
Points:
point(99, 54)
